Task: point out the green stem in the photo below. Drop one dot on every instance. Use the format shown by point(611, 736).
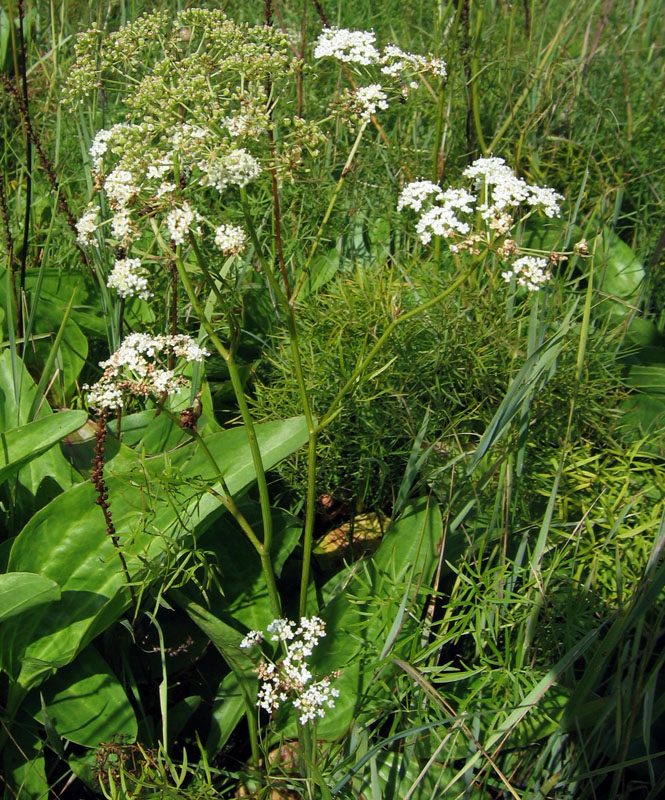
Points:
point(239, 392)
point(358, 371)
point(311, 461)
point(229, 503)
point(475, 98)
point(306, 405)
point(347, 166)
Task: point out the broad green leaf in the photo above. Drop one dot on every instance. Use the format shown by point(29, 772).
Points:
point(42, 478)
point(56, 291)
point(324, 268)
point(86, 703)
point(619, 274)
point(20, 591)
point(227, 710)
point(245, 595)
point(154, 432)
point(236, 694)
point(644, 419)
point(70, 356)
point(542, 233)
point(27, 442)
point(67, 542)
point(6, 60)
point(644, 370)
point(180, 714)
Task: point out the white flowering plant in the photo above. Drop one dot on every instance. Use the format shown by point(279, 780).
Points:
point(225, 210)
point(291, 679)
point(485, 216)
point(396, 74)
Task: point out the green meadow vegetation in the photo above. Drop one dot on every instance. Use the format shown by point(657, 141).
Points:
point(332, 400)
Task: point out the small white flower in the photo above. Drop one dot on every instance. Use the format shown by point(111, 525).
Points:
point(439, 221)
point(345, 45)
point(547, 198)
point(86, 227)
point(121, 226)
point(237, 126)
point(253, 638)
point(312, 701)
point(165, 188)
point(100, 144)
point(133, 368)
point(369, 98)
point(530, 271)
point(269, 697)
point(120, 186)
point(236, 168)
point(414, 194)
point(159, 170)
point(292, 678)
point(178, 221)
point(128, 279)
point(230, 239)
point(395, 60)
point(282, 630)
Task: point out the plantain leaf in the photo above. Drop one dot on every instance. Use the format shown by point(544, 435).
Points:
point(20, 591)
point(86, 703)
point(67, 541)
point(23, 773)
point(42, 478)
point(366, 610)
point(20, 445)
point(236, 694)
point(620, 275)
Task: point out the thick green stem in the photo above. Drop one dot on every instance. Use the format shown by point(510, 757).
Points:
point(306, 405)
point(229, 503)
point(311, 461)
point(239, 392)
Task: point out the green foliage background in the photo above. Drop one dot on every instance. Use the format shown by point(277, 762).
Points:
point(504, 639)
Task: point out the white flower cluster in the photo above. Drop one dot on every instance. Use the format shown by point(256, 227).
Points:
point(530, 271)
point(86, 226)
point(230, 239)
point(496, 195)
point(186, 133)
point(238, 126)
point(178, 221)
point(292, 678)
point(358, 47)
point(100, 144)
point(120, 187)
point(137, 180)
point(236, 168)
point(503, 189)
point(129, 279)
point(442, 219)
point(368, 99)
point(135, 367)
point(345, 45)
point(395, 61)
